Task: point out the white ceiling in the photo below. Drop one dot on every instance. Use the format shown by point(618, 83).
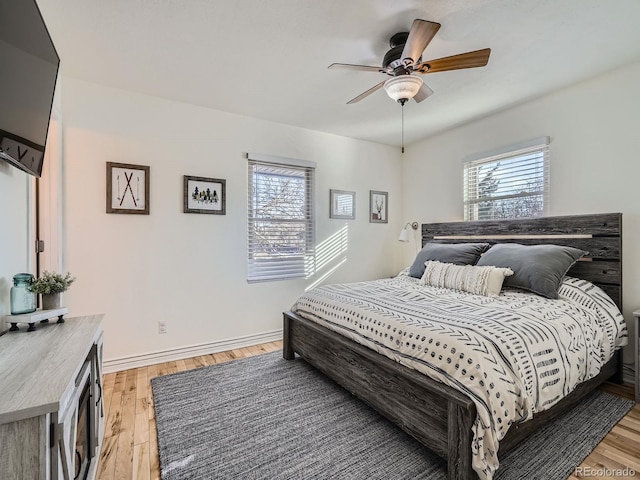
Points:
point(268, 58)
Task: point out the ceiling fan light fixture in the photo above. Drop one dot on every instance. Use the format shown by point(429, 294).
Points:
point(403, 87)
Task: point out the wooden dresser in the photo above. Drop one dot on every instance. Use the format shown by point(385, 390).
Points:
point(51, 408)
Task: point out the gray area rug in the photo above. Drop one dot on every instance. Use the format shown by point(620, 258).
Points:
point(268, 418)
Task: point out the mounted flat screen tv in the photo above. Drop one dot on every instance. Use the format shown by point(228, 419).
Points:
point(28, 72)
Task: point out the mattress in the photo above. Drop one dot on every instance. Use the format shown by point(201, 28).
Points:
point(513, 355)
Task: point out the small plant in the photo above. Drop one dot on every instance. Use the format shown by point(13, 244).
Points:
point(51, 282)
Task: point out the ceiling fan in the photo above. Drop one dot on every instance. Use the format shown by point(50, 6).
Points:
point(404, 61)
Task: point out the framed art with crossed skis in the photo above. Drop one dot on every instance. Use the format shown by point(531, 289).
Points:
point(127, 188)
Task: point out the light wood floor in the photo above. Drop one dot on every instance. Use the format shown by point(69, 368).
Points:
point(130, 449)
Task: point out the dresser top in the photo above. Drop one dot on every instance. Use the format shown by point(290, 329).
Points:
point(37, 368)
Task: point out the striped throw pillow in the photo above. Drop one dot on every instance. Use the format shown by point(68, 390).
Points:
point(485, 280)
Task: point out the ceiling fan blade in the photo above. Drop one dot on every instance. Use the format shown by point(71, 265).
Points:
point(423, 93)
point(421, 33)
point(478, 58)
point(366, 68)
point(367, 93)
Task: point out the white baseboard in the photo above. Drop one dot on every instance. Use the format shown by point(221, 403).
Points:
point(111, 365)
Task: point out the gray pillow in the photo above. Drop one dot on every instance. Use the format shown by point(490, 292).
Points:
point(536, 268)
point(456, 253)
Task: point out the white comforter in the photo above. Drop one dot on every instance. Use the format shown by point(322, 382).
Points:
point(513, 355)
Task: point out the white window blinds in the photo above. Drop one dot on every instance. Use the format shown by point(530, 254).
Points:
point(281, 225)
point(510, 183)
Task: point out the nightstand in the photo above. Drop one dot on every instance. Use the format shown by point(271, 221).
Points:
point(636, 340)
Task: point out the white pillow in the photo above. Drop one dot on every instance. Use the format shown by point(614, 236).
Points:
point(486, 280)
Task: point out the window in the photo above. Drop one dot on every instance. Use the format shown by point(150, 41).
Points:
point(510, 183)
point(281, 240)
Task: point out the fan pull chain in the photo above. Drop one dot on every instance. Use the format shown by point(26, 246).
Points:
point(402, 110)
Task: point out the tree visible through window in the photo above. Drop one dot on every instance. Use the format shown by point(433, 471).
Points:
point(280, 221)
point(511, 184)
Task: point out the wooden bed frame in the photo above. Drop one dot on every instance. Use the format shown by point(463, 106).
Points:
point(433, 413)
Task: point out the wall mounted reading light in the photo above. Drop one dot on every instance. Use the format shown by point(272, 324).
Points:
point(404, 233)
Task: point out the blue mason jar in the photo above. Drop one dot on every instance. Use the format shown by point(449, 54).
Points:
point(22, 300)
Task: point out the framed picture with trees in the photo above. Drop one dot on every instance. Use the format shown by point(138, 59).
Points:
point(205, 195)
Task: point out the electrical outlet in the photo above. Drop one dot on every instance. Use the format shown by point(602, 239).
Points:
point(162, 327)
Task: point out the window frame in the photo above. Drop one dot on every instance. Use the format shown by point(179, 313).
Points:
point(516, 154)
point(280, 266)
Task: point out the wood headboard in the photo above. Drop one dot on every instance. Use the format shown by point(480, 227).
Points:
point(598, 234)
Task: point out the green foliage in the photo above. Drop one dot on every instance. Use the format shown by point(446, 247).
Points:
point(51, 282)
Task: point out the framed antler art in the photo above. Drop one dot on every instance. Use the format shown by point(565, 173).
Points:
point(378, 207)
point(127, 188)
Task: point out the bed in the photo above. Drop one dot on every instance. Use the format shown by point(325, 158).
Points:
point(436, 414)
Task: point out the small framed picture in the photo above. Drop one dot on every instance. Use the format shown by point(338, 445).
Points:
point(342, 204)
point(127, 188)
point(378, 206)
point(205, 195)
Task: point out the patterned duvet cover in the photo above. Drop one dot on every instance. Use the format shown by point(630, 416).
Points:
point(513, 355)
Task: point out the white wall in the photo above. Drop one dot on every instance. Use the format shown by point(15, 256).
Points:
point(14, 231)
point(594, 160)
point(187, 269)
